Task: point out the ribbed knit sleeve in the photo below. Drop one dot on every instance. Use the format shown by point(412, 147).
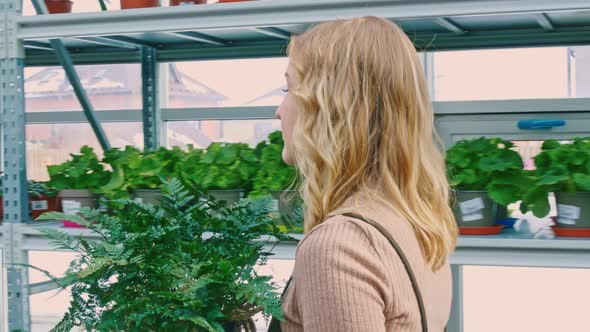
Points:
point(341, 287)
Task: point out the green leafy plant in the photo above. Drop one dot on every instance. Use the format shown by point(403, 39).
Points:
point(38, 189)
point(221, 166)
point(81, 171)
point(559, 167)
point(189, 264)
point(273, 174)
point(487, 164)
point(132, 170)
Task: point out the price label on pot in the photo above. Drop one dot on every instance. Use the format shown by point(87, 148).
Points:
point(71, 207)
point(568, 211)
point(567, 221)
point(471, 206)
point(39, 205)
point(472, 217)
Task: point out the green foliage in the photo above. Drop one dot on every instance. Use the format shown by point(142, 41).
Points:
point(559, 167)
point(273, 174)
point(189, 264)
point(221, 166)
point(132, 169)
point(487, 164)
point(82, 171)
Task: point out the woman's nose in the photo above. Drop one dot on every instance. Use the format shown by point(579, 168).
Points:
point(278, 113)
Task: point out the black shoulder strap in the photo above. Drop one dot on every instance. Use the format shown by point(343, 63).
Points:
point(404, 261)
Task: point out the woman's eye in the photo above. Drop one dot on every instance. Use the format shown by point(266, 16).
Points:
point(285, 90)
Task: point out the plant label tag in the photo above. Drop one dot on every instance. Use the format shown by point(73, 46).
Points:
point(567, 221)
point(568, 211)
point(472, 217)
point(274, 205)
point(71, 207)
point(471, 206)
point(39, 205)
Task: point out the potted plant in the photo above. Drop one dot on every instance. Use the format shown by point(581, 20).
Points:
point(133, 173)
point(77, 180)
point(225, 170)
point(42, 199)
point(131, 4)
point(274, 177)
point(59, 6)
point(484, 173)
point(185, 265)
point(564, 169)
point(187, 2)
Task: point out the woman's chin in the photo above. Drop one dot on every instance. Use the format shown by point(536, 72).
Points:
point(287, 157)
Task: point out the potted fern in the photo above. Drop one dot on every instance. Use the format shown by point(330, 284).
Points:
point(564, 169)
point(189, 264)
point(486, 176)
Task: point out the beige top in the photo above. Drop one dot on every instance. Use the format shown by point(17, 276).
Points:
point(348, 277)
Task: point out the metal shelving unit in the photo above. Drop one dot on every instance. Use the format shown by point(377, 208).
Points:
point(249, 30)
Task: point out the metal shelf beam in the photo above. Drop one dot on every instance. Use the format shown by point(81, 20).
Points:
point(274, 13)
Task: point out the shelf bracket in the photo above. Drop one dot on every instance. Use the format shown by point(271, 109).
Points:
point(66, 62)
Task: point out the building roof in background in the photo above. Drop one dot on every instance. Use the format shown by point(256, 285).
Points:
point(271, 98)
point(118, 79)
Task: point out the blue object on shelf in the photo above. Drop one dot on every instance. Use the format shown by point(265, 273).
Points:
point(540, 124)
point(507, 222)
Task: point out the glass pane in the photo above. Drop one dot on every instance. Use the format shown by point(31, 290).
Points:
point(557, 72)
point(50, 144)
point(48, 308)
point(202, 133)
point(109, 87)
point(247, 82)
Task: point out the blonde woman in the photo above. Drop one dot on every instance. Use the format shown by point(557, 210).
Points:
point(358, 124)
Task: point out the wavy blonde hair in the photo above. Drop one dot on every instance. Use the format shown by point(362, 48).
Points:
point(366, 124)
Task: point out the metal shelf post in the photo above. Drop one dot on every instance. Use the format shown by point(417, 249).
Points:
point(152, 117)
point(14, 195)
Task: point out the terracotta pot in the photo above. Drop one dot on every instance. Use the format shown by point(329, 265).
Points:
point(42, 204)
point(187, 2)
point(130, 4)
point(59, 6)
